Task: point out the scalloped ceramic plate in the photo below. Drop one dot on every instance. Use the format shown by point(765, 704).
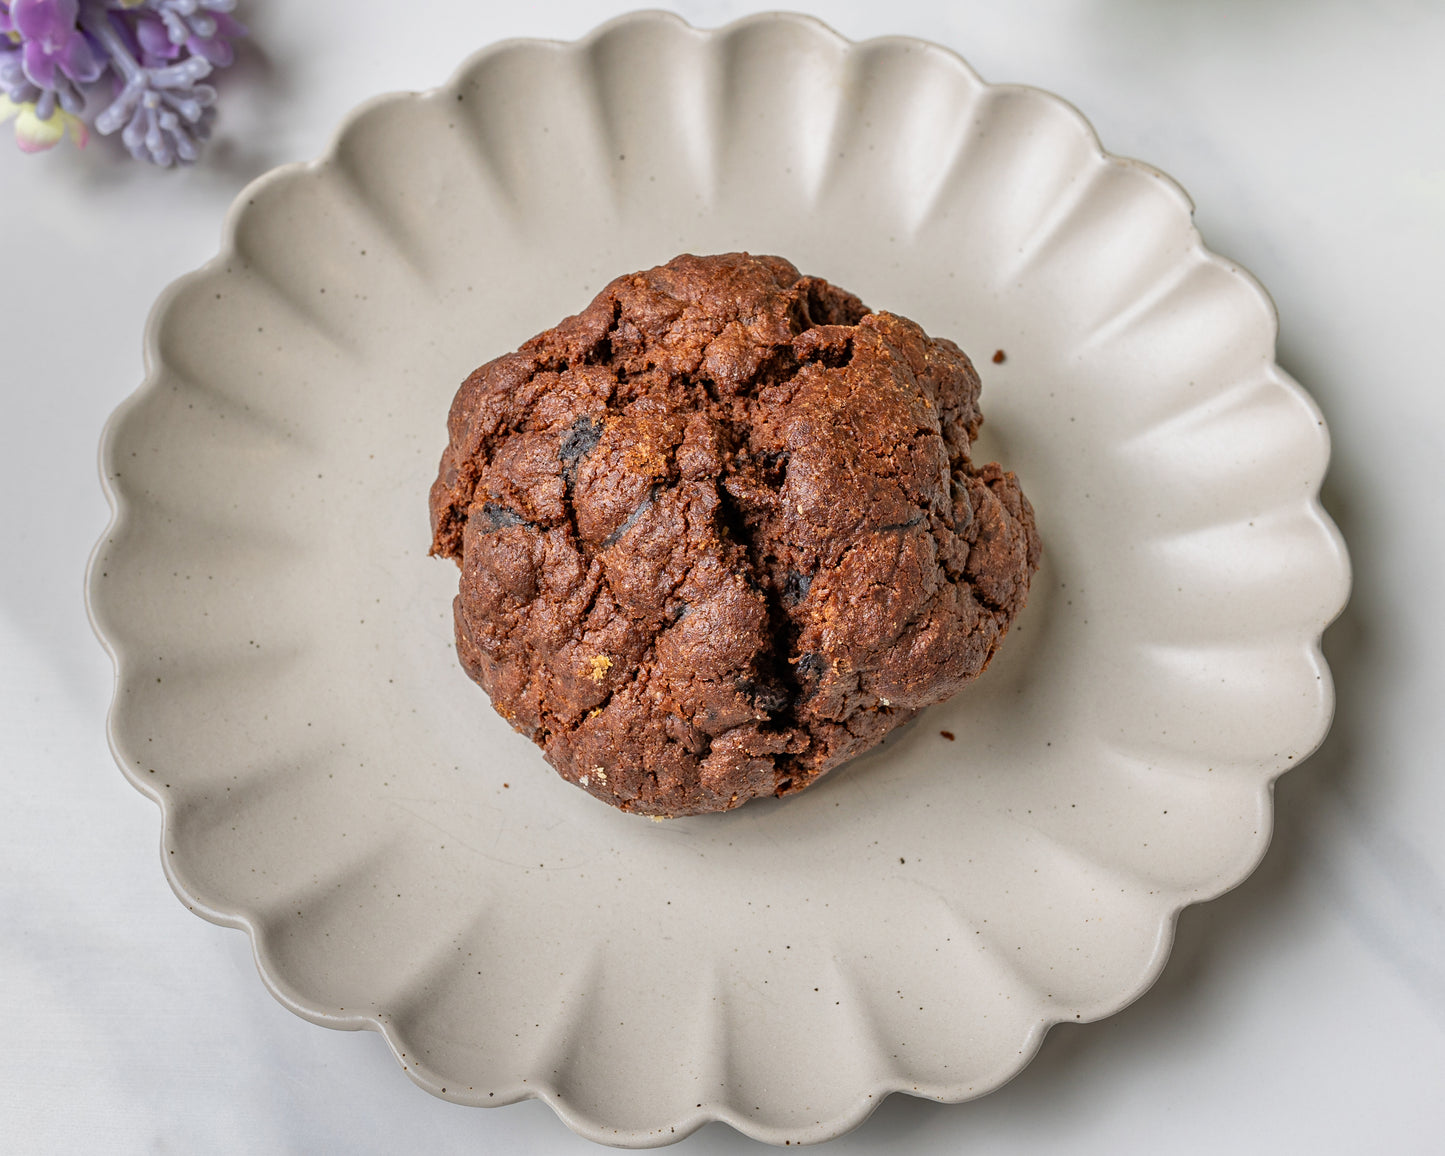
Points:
point(332, 783)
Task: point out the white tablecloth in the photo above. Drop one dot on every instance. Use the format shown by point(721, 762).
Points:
point(1304, 1012)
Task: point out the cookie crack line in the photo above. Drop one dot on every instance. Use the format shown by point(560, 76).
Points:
point(744, 504)
point(778, 671)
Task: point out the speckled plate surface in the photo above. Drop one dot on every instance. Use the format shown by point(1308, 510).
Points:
point(330, 781)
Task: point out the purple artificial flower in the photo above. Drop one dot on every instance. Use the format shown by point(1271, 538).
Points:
point(52, 42)
point(162, 113)
point(144, 59)
point(20, 58)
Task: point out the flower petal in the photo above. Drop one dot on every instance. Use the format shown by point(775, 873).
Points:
point(79, 60)
point(219, 52)
point(154, 40)
point(34, 135)
point(39, 66)
point(48, 21)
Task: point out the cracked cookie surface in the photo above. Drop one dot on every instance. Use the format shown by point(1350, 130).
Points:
point(720, 532)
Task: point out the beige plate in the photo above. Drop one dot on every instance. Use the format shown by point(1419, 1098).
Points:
point(333, 784)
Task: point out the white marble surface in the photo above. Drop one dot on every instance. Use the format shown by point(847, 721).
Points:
point(1303, 1012)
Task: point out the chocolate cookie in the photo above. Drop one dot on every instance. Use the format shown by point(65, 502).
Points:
point(720, 532)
